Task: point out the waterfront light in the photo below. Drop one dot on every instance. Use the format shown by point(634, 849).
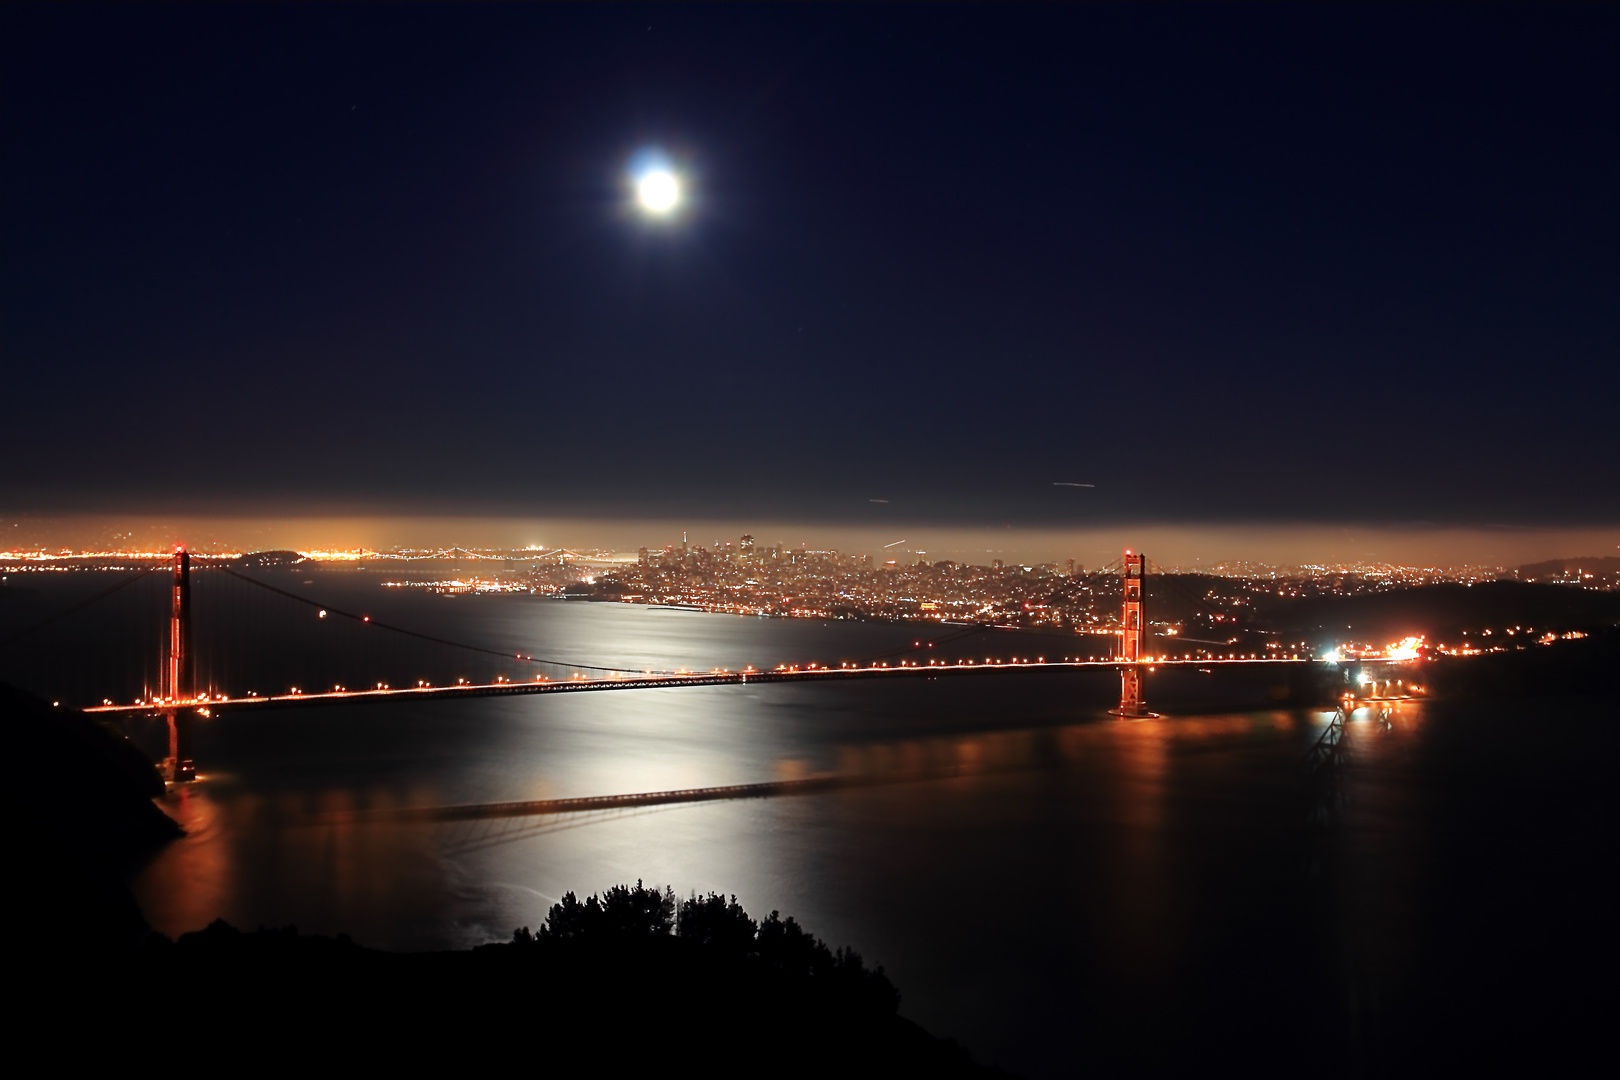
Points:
point(1405, 649)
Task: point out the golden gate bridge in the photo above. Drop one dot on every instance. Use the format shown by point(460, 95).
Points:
point(192, 684)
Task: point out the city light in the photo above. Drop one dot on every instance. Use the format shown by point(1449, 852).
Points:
point(1222, 616)
point(1405, 649)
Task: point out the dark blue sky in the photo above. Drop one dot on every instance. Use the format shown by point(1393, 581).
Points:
point(1227, 264)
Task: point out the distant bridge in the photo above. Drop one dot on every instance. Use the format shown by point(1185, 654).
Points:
point(747, 677)
point(348, 642)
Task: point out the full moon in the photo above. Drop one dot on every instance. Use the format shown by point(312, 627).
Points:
point(658, 191)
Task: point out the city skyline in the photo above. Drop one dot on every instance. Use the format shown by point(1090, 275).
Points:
point(1278, 543)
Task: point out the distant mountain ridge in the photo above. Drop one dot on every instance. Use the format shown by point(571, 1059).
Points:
point(1599, 566)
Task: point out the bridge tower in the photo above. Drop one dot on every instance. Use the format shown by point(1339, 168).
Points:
point(180, 672)
point(1133, 573)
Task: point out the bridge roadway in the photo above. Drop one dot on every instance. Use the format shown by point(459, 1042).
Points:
point(659, 680)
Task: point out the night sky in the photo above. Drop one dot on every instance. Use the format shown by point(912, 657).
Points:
point(1227, 265)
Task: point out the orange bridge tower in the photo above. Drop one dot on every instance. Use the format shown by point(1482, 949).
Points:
point(1133, 574)
point(179, 688)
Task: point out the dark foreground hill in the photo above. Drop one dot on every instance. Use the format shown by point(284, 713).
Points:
point(615, 985)
point(78, 803)
point(1603, 569)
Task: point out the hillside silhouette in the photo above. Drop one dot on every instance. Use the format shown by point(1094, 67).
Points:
point(1440, 611)
point(626, 981)
point(79, 801)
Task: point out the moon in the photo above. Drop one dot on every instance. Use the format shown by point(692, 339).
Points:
point(658, 191)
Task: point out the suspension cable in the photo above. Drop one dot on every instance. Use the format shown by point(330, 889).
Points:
point(1200, 604)
point(81, 605)
point(369, 621)
point(976, 628)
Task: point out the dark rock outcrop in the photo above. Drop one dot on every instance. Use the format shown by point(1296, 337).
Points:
point(78, 803)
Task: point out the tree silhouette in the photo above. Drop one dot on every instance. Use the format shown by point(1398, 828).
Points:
point(718, 928)
point(717, 923)
point(624, 911)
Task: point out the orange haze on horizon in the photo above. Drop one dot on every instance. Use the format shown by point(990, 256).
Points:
point(1169, 544)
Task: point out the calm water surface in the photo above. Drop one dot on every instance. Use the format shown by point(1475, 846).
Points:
point(1082, 886)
